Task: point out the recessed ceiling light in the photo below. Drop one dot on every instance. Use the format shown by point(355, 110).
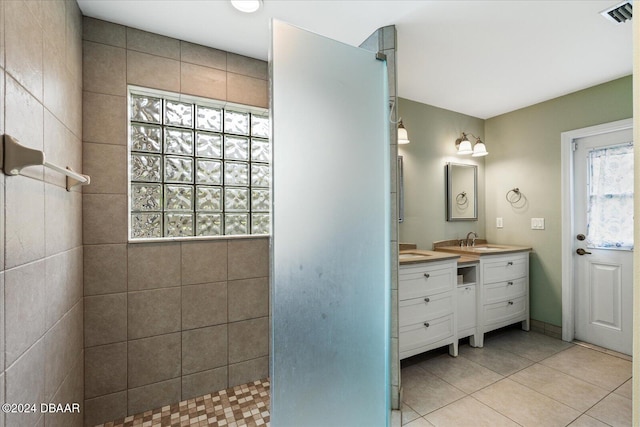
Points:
point(247, 6)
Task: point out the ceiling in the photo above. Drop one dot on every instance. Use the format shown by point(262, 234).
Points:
point(477, 57)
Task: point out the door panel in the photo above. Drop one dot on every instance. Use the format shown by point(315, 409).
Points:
point(331, 267)
point(603, 287)
point(605, 295)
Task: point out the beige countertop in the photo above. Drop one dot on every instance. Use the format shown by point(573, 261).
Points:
point(483, 249)
point(415, 256)
point(467, 260)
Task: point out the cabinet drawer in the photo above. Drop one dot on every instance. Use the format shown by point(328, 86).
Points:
point(505, 268)
point(418, 335)
point(466, 307)
point(502, 291)
point(505, 310)
point(419, 309)
point(418, 282)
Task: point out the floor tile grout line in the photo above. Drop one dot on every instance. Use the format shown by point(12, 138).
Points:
point(580, 413)
point(494, 409)
point(457, 388)
point(469, 394)
point(582, 379)
point(507, 375)
point(592, 406)
point(552, 398)
point(482, 388)
point(541, 362)
point(602, 350)
point(572, 376)
point(534, 360)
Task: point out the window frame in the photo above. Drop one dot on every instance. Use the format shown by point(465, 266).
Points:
point(592, 195)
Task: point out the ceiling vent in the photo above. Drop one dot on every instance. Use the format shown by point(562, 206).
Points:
point(619, 13)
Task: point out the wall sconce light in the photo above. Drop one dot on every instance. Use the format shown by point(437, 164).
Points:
point(463, 145)
point(403, 136)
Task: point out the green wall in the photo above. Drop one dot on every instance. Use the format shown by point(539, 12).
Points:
point(433, 132)
point(524, 152)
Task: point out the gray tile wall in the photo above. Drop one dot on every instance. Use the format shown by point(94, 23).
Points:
point(168, 321)
point(41, 309)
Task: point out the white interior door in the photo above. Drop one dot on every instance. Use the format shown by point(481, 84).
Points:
point(603, 241)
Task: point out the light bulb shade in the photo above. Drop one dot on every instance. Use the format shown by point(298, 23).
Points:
point(479, 149)
point(247, 6)
point(465, 147)
point(403, 136)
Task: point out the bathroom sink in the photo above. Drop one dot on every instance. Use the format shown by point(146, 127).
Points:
point(420, 255)
point(411, 255)
point(482, 249)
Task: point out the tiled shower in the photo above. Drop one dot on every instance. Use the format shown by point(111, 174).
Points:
point(168, 321)
point(41, 350)
point(88, 317)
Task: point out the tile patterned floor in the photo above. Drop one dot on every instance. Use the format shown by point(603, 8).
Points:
point(518, 379)
point(243, 405)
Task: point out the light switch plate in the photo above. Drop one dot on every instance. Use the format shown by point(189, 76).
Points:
point(537, 223)
point(498, 222)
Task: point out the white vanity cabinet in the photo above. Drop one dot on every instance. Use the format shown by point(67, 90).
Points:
point(504, 293)
point(427, 307)
point(467, 301)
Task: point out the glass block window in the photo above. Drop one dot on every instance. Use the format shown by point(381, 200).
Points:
point(197, 168)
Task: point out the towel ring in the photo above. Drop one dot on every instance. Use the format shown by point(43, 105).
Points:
point(461, 198)
point(513, 196)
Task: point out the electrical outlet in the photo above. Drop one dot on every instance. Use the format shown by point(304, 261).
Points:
point(498, 222)
point(537, 223)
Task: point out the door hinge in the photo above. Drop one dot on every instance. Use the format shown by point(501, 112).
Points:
point(381, 56)
point(574, 145)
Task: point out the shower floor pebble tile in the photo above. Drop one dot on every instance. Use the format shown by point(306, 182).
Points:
point(243, 405)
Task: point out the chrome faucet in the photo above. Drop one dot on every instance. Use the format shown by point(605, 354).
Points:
point(473, 241)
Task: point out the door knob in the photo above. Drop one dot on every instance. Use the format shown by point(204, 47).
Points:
point(581, 251)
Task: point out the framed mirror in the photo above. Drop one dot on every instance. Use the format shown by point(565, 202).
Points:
point(462, 192)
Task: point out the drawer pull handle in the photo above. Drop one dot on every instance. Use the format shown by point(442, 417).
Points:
point(510, 302)
point(426, 275)
point(509, 283)
point(427, 300)
point(467, 288)
point(510, 263)
point(426, 324)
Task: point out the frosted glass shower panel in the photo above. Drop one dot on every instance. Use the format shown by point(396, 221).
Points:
point(331, 233)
